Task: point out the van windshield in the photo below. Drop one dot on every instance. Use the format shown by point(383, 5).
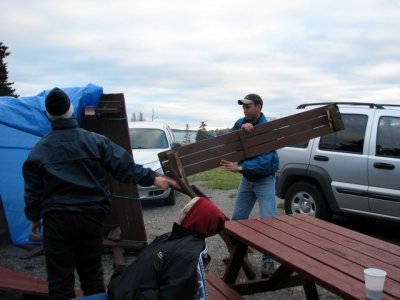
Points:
point(147, 138)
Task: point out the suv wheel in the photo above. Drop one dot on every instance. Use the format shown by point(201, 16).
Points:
point(170, 200)
point(306, 198)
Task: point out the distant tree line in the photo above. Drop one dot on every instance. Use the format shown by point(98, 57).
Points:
point(139, 118)
point(203, 133)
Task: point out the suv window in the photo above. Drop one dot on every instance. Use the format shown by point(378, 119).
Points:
point(351, 139)
point(147, 138)
point(300, 145)
point(388, 137)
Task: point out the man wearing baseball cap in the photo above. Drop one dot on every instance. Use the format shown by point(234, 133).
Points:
point(258, 180)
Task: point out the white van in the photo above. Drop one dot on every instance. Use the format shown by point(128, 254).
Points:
point(147, 140)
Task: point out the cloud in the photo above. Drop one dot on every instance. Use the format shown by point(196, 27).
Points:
point(190, 61)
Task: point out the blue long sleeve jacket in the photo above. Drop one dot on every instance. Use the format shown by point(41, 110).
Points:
point(260, 166)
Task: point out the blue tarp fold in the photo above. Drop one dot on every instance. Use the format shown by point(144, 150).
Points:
point(22, 122)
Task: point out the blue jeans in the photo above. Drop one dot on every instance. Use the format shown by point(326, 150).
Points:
point(247, 194)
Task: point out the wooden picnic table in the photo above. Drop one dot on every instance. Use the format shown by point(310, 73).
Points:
point(311, 252)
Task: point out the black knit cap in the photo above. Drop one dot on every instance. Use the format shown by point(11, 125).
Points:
point(251, 98)
point(57, 102)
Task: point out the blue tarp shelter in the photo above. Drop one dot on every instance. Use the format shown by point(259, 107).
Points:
point(23, 122)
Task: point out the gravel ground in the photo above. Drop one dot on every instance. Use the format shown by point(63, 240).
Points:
point(159, 219)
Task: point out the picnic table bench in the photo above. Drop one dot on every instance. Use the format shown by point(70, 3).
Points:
point(190, 159)
point(218, 290)
point(311, 252)
point(25, 284)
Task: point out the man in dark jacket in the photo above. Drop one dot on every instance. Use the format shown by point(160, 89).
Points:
point(258, 181)
point(172, 266)
point(66, 186)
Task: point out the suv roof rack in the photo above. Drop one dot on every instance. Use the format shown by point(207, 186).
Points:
point(371, 105)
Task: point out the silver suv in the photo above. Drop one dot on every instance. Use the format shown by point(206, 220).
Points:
point(353, 171)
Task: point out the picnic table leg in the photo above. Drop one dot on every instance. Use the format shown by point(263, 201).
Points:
point(247, 267)
point(33, 252)
point(235, 262)
point(311, 291)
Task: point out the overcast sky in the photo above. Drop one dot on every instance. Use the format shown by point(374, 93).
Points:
point(190, 61)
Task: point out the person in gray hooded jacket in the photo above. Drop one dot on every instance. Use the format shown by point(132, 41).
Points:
point(172, 266)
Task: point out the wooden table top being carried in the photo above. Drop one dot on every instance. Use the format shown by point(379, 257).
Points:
point(311, 251)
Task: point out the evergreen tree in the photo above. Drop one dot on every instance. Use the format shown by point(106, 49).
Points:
point(141, 117)
point(5, 86)
point(202, 133)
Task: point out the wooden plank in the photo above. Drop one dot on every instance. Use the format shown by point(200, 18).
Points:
point(248, 145)
point(204, 145)
point(15, 281)
point(333, 243)
point(238, 145)
point(212, 161)
point(129, 212)
point(126, 211)
point(218, 289)
point(282, 278)
point(346, 287)
point(332, 254)
point(11, 280)
point(218, 151)
point(33, 252)
point(266, 132)
point(324, 247)
point(315, 117)
point(237, 251)
point(303, 117)
point(9, 297)
point(353, 235)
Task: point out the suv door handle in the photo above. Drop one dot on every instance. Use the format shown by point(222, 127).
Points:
point(383, 166)
point(321, 158)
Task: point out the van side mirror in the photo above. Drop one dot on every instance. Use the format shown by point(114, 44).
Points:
point(175, 145)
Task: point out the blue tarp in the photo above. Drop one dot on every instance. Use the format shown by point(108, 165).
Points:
point(22, 122)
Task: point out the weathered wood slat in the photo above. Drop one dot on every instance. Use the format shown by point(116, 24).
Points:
point(126, 214)
point(238, 145)
point(204, 145)
point(351, 235)
point(327, 240)
point(11, 280)
point(320, 250)
point(307, 266)
point(332, 248)
point(15, 281)
point(194, 164)
point(219, 290)
point(276, 138)
point(296, 120)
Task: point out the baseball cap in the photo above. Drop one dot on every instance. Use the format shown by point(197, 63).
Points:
point(251, 98)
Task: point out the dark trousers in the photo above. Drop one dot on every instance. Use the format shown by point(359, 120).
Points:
point(73, 241)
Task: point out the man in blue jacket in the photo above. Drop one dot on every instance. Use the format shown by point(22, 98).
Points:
point(66, 186)
point(258, 181)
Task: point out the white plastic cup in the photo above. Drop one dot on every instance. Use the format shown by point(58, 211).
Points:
point(374, 282)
